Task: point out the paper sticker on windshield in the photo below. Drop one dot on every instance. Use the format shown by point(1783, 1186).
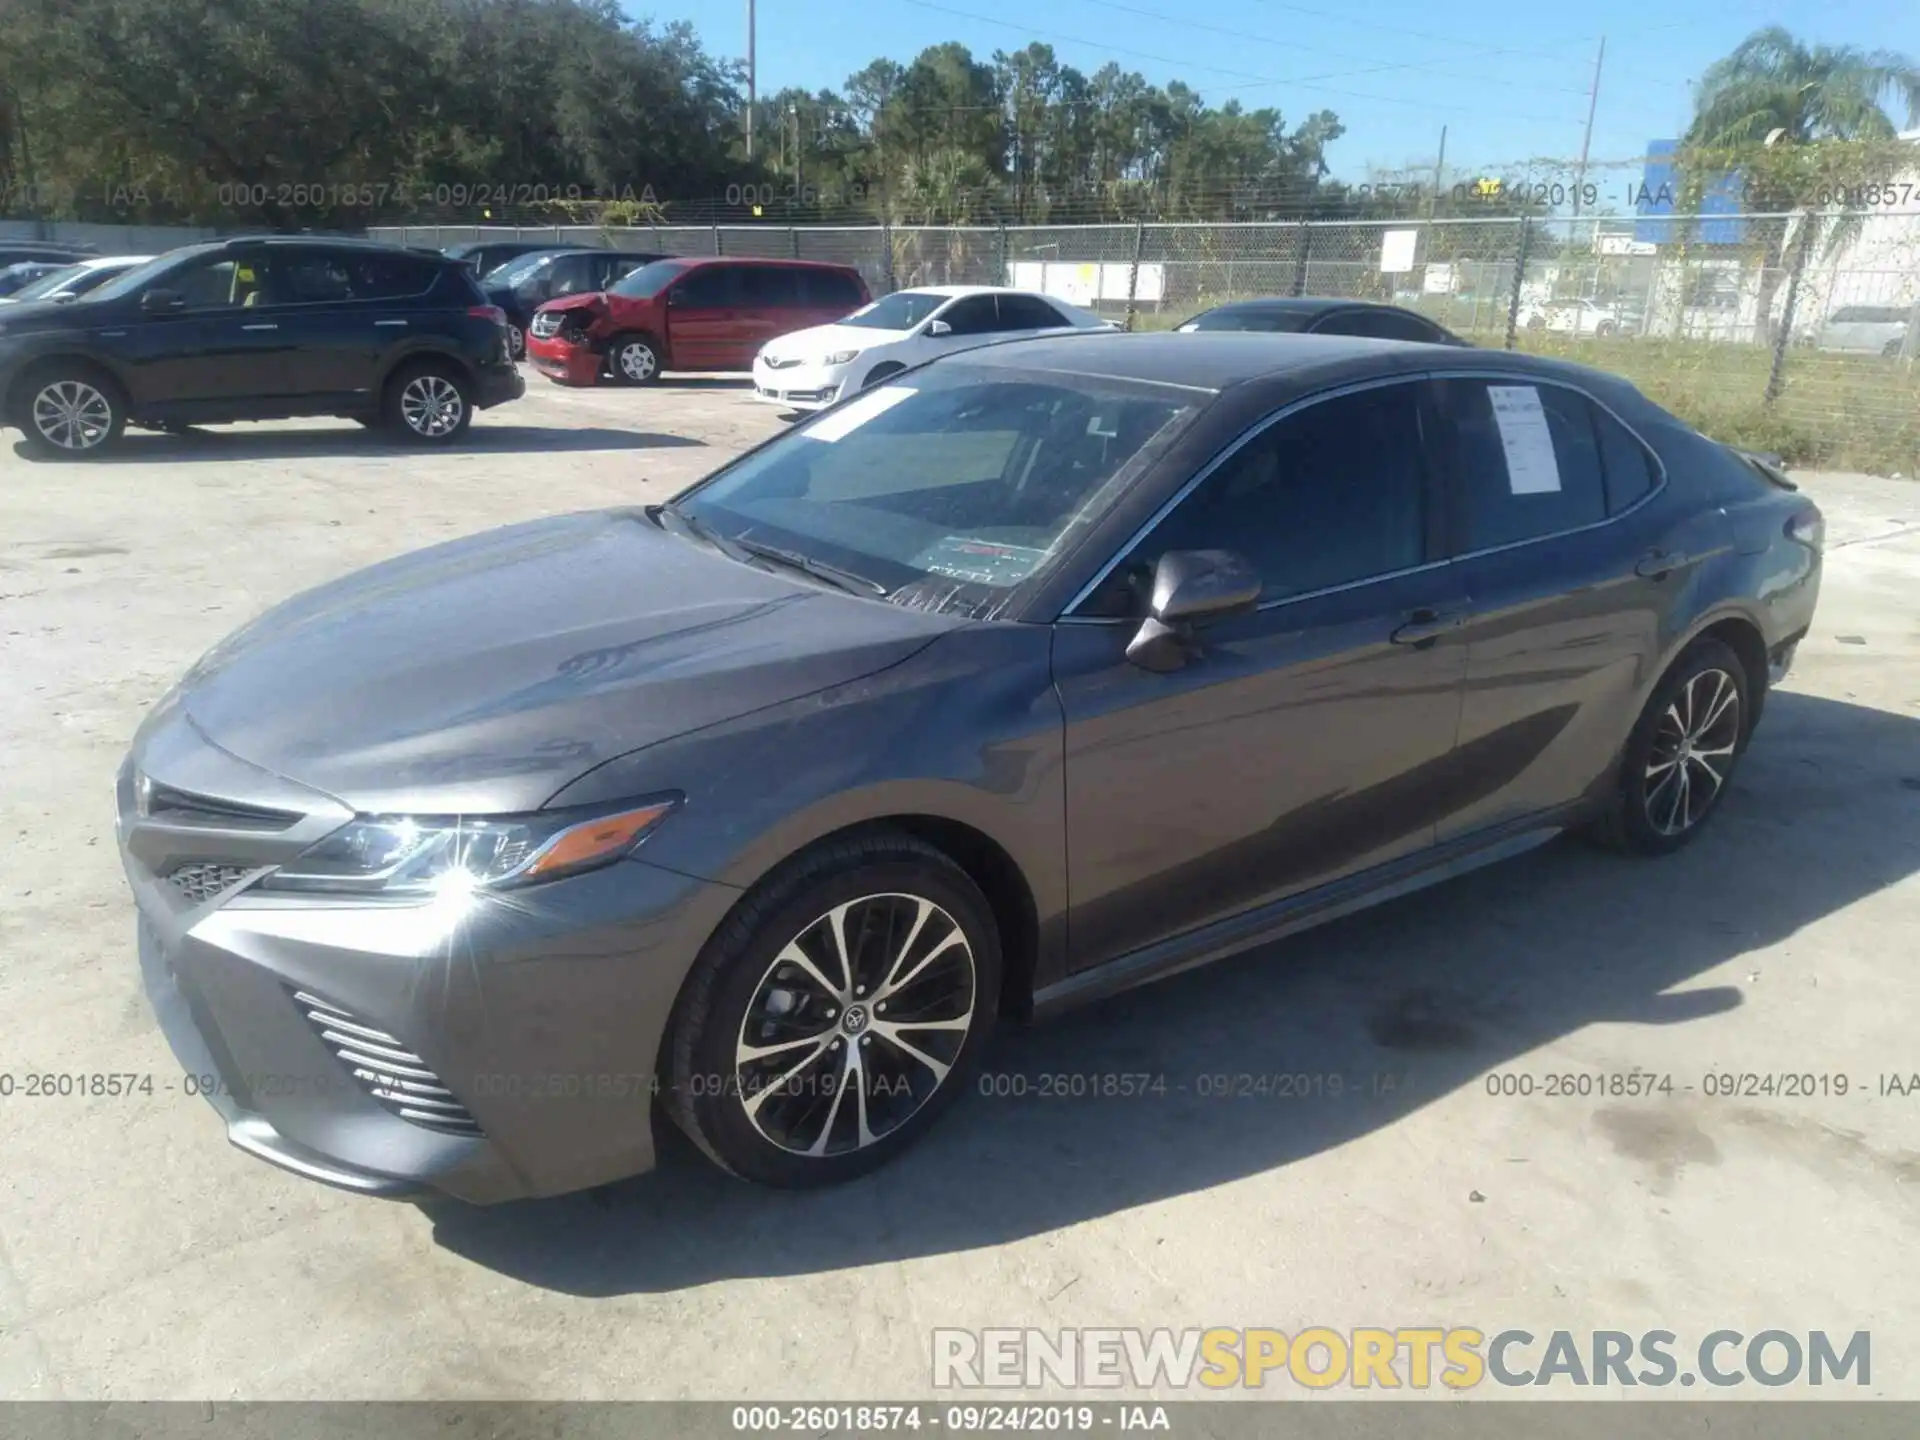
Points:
point(855, 413)
point(984, 562)
point(1531, 467)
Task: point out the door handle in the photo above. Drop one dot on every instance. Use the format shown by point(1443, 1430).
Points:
point(1658, 564)
point(259, 327)
point(389, 322)
point(1424, 626)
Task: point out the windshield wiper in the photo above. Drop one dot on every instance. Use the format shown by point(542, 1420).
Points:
point(819, 569)
point(699, 529)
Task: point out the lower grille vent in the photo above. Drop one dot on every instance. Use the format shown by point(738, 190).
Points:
point(199, 881)
point(394, 1076)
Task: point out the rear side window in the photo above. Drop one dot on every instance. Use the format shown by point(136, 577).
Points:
point(1527, 458)
point(769, 287)
point(1377, 325)
point(831, 290)
point(1024, 312)
point(1624, 460)
point(390, 277)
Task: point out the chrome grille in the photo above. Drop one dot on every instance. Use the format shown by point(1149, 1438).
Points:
point(198, 881)
point(396, 1078)
point(780, 362)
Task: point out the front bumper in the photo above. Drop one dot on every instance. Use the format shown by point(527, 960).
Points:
point(799, 387)
point(564, 362)
point(493, 1050)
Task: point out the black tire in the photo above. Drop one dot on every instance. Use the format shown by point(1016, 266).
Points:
point(429, 402)
point(633, 359)
point(740, 978)
point(1537, 322)
point(1640, 819)
point(516, 343)
point(881, 373)
point(1892, 349)
point(1604, 329)
point(69, 410)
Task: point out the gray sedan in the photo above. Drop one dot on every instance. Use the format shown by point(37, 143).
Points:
point(1033, 674)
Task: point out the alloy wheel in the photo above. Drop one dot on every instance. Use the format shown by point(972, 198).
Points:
point(516, 343)
point(431, 405)
point(72, 415)
point(1692, 752)
point(637, 361)
point(856, 1023)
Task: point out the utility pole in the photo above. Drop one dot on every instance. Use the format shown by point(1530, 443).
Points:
point(750, 79)
point(1586, 141)
point(1439, 168)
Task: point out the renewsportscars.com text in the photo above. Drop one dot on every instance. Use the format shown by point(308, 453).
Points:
point(1416, 1358)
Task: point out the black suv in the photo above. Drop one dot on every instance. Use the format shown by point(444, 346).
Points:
point(483, 257)
point(258, 329)
point(525, 283)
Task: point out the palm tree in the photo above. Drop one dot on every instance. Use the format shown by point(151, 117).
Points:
point(1758, 107)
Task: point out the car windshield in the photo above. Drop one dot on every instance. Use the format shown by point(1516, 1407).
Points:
point(133, 281)
point(944, 493)
point(1231, 318)
point(901, 310)
point(49, 282)
point(522, 267)
point(649, 280)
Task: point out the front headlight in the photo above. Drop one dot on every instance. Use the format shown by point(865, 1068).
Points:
point(841, 357)
point(425, 856)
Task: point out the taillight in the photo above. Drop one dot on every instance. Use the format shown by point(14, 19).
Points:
point(1809, 528)
point(487, 312)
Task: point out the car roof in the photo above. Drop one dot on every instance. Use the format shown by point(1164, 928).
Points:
point(1215, 360)
point(954, 291)
point(1303, 305)
point(95, 262)
point(693, 260)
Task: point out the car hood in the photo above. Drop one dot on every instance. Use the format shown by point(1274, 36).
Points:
point(483, 675)
point(585, 300)
point(819, 340)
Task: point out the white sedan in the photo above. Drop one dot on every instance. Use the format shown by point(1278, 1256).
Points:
point(76, 279)
point(810, 369)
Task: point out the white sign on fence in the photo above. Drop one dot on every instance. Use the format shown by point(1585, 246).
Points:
point(1088, 284)
point(1438, 280)
point(1396, 251)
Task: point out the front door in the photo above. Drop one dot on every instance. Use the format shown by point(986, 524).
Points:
point(1310, 739)
point(702, 317)
point(211, 347)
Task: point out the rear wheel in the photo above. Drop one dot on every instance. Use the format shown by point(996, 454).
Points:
point(428, 402)
point(633, 360)
point(1681, 755)
point(70, 412)
point(841, 1007)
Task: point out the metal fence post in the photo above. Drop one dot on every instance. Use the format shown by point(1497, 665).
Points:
point(1777, 371)
point(793, 240)
point(716, 241)
point(886, 256)
point(1304, 249)
point(1133, 271)
point(1519, 278)
point(1000, 259)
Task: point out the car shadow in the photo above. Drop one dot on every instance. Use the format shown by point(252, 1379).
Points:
point(1404, 1003)
point(705, 382)
point(250, 442)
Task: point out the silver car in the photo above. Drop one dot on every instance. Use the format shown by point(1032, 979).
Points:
point(1867, 329)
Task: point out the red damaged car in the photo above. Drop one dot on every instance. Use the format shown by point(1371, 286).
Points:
point(687, 313)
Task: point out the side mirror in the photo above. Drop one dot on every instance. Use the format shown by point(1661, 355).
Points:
point(939, 327)
point(155, 302)
point(1190, 588)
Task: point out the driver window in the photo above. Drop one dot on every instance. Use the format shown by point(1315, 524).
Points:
point(222, 284)
point(1333, 494)
point(972, 316)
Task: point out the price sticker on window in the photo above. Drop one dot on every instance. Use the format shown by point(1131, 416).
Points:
point(1531, 466)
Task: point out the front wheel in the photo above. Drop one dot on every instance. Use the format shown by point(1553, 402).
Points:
point(880, 374)
point(428, 402)
point(71, 413)
point(1681, 755)
point(843, 1005)
point(633, 360)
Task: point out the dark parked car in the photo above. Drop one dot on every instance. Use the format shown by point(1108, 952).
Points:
point(523, 285)
point(1047, 669)
point(22, 273)
point(258, 329)
point(1315, 315)
point(483, 257)
point(19, 252)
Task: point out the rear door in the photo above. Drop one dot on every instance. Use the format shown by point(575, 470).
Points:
point(324, 337)
point(830, 295)
point(1569, 563)
point(773, 303)
point(702, 316)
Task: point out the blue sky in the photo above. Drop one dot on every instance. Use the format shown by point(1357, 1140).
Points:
point(1509, 78)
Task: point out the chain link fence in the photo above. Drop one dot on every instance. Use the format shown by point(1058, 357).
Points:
point(1792, 333)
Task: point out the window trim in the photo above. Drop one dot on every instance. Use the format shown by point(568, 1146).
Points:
point(1245, 438)
point(1659, 465)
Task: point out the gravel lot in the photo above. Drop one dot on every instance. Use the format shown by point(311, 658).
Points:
point(140, 1256)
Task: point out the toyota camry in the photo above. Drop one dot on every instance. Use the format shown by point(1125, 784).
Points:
point(1045, 670)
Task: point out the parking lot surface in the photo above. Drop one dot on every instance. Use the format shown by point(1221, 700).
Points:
point(142, 1257)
